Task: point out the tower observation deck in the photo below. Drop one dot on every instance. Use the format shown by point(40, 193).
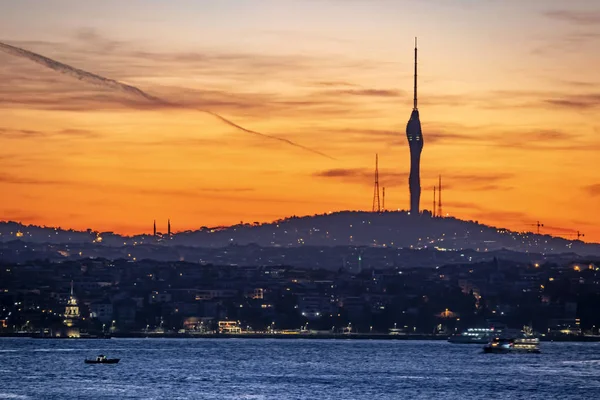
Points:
point(415, 143)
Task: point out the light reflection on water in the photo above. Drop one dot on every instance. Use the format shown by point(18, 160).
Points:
point(269, 369)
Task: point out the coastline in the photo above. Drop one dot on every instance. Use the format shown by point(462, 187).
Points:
point(301, 336)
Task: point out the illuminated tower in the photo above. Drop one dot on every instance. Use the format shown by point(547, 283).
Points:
point(71, 310)
point(415, 143)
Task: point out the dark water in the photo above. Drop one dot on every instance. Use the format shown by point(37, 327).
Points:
point(292, 369)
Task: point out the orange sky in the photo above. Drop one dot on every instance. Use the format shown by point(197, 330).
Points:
point(509, 103)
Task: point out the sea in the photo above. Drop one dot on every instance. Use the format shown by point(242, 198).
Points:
point(261, 369)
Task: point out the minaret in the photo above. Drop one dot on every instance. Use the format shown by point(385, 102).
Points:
point(415, 143)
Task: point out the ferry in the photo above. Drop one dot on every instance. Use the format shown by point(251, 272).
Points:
point(513, 344)
point(473, 336)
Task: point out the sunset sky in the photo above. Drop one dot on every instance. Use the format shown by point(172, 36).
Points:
point(509, 102)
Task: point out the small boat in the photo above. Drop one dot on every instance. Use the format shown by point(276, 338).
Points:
point(102, 360)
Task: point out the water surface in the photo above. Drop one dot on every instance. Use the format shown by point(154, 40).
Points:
point(265, 369)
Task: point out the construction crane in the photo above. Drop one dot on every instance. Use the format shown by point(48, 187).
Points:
point(555, 231)
point(538, 224)
point(578, 234)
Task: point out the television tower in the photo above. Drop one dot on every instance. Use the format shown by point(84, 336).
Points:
point(169, 228)
point(376, 203)
point(154, 228)
point(415, 143)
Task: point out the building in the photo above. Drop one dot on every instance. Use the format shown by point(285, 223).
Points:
point(102, 311)
point(71, 310)
point(72, 316)
point(415, 143)
point(229, 327)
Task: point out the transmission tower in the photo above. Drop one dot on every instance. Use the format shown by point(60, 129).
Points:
point(376, 203)
point(439, 211)
point(433, 209)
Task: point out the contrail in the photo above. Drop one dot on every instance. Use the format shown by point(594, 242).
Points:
point(98, 80)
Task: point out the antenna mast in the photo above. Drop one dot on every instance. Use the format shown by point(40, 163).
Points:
point(415, 93)
point(383, 202)
point(376, 203)
point(439, 213)
point(433, 211)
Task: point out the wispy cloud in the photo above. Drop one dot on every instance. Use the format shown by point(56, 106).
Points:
point(26, 134)
point(580, 102)
point(364, 176)
point(17, 180)
point(129, 89)
point(368, 92)
point(593, 190)
point(575, 17)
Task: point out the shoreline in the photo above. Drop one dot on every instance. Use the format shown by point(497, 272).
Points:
point(301, 336)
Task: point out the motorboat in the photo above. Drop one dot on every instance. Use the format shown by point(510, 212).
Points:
point(505, 345)
point(102, 360)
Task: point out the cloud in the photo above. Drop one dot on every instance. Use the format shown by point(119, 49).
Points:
point(593, 190)
point(364, 176)
point(463, 205)
point(581, 102)
point(101, 81)
point(467, 182)
point(575, 17)
point(61, 134)
point(368, 92)
point(10, 215)
point(334, 83)
point(517, 217)
point(16, 180)
point(441, 136)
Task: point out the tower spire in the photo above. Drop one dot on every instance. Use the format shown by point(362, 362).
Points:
point(415, 94)
point(71, 288)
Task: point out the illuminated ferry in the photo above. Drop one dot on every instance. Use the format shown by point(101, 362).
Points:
point(474, 336)
point(515, 343)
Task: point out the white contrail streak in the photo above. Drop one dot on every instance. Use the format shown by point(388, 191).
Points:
point(98, 80)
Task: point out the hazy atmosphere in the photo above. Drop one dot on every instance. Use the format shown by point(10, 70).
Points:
point(509, 96)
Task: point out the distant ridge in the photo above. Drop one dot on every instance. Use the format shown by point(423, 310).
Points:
point(346, 228)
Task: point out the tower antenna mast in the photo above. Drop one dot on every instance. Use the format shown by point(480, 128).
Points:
point(439, 213)
point(433, 211)
point(415, 90)
point(376, 203)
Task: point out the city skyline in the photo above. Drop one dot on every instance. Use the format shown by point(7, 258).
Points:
point(510, 114)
